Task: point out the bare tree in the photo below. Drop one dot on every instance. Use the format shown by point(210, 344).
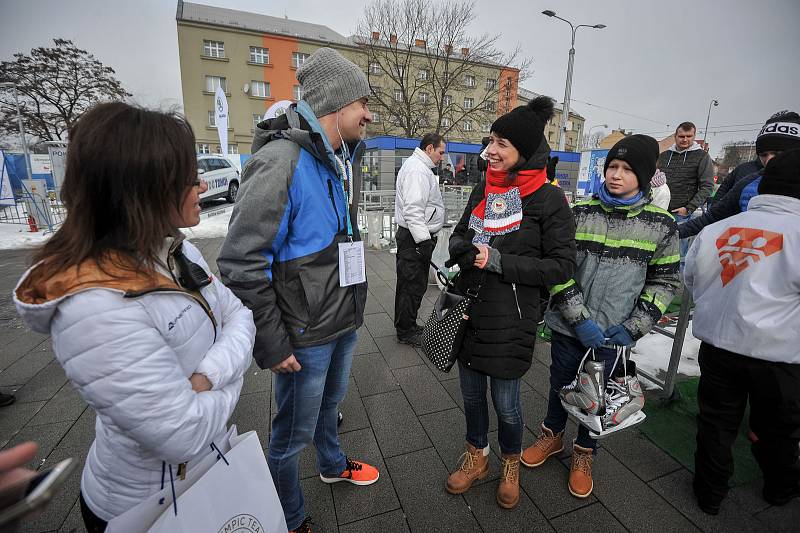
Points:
point(55, 86)
point(423, 48)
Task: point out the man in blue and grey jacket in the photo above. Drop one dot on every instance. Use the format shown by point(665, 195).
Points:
point(292, 229)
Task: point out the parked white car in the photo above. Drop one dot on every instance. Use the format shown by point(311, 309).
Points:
point(220, 175)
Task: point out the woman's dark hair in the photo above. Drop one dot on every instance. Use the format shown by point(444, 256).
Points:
point(128, 171)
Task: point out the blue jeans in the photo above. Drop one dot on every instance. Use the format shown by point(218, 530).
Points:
point(308, 410)
point(507, 405)
point(566, 354)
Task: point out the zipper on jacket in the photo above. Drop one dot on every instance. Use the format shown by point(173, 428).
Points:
point(514, 288)
point(432, 214)
point(196, 296)
point(333, 203)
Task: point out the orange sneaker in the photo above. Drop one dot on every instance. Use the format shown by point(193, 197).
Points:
point(355, 472)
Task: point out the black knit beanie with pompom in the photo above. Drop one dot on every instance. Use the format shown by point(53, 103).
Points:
point(524, 125)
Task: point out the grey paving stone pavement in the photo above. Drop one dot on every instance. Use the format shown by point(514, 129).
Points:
point(402, 415)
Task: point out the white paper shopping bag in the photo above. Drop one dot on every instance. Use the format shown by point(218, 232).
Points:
point(236, 494)
point(139, 518)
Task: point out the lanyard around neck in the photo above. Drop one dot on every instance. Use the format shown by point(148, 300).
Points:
point(345, 169)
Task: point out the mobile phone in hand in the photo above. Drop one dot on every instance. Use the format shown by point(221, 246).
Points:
point(32, 494)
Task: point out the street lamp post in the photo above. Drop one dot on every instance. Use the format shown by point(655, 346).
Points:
point(568, 89)
point(714, 103)
point(12, 85)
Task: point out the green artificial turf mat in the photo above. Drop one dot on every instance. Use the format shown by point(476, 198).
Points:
point(673, 428)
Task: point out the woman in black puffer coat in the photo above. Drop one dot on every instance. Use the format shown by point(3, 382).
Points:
point(516, 236)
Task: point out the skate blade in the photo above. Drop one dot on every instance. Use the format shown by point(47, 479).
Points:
point(636, 418)
point(592, 422)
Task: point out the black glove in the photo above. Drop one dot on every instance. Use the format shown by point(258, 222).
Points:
point(425, 248)
point(463, 254)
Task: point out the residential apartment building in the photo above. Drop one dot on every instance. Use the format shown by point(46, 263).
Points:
point(255, 57)
point(575, 123)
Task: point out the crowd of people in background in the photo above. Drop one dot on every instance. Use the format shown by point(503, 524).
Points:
point(157, 345)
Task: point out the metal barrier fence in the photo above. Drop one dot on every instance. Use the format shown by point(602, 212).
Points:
point(41, 210)
point(376, 212)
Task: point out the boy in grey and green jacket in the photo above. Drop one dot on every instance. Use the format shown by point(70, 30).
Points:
point(628, 272)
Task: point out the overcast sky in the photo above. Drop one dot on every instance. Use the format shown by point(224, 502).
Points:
point(658, 61)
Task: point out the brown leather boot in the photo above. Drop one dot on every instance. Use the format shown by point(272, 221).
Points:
point(546, 445)
point(474, 466)
point(580, 473)
point(508, 489)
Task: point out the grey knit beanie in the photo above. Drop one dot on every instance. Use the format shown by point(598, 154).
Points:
point(330, 82)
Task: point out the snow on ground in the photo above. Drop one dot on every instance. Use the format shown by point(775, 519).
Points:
point(18, 236)
point(213, 223)
point(652, 353)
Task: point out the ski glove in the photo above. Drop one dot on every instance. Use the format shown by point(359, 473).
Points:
point(589, 333)
point(619, 336)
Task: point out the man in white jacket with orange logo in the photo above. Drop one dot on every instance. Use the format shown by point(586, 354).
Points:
point(419, 212)
point(743, 274)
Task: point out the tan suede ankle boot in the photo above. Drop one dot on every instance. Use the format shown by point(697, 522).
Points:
point(508, 489)
point(580, 473)
point(474, 466)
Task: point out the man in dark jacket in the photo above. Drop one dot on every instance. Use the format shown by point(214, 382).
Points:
point(736, 175)
point(292, 230)
point(781, 132)
point(690, 175)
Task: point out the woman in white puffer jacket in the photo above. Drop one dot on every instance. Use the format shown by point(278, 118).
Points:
point(153, 342)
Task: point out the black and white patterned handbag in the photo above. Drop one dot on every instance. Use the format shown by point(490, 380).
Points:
point(444, 330)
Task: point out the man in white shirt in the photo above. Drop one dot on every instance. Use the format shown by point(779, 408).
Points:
point(419, 212)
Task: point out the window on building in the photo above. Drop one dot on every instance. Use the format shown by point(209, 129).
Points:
point(491, 84)
point(259, 88)
point(376, 117)
point(398, 95)
point(447, 100)
point(297, 92)
point(469, 80)
point(256, 119)
point(374, 68)
point(550, 136)
point(487, 127)
point(298, 59)
point(469, 103)
point(203, 148)
point(233, 149)
point(446, 122)
point(212, 82)
point(467, 126)
point(423, 97)
point(377, 91)
point(213, 48)
point(401, 71)
point(212, 119)
point(491, 105)
point(423, 122)
point(423, 74)
point(259, 55)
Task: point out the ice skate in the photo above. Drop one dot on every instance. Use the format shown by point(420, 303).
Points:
point(624, 404)
point(584, 398)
